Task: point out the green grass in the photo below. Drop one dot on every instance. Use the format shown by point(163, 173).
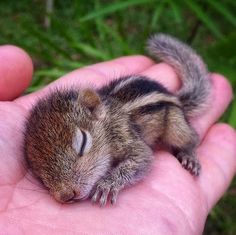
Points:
point(85, 32)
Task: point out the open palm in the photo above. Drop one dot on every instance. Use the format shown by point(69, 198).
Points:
point(168, 201)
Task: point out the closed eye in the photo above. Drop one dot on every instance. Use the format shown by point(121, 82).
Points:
point(84, 141)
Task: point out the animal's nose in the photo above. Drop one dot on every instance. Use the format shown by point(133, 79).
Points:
point(71, 197)
point(68, 196)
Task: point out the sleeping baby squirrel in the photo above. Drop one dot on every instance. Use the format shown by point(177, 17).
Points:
point(92, 143)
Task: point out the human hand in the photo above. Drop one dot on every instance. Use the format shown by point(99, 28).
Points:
point(168, 201)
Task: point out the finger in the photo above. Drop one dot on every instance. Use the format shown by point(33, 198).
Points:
point(218, 158)
point(16, 70)
point(164, 74)
point(221, 97)
point(94, 75)
point(101, 73)
point(123, 66)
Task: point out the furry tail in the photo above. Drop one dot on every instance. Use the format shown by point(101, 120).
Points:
point(190, 68)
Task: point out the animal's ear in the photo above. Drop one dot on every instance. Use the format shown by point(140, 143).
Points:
point(91, 100)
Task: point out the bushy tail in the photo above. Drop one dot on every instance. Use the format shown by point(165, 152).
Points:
point(190, 68)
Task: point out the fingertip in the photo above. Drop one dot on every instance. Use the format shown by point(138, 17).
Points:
point(216, 104)
point(217, 154)
point(223, 137)
point(15, 71)
point(222, 85)
point(223, 133)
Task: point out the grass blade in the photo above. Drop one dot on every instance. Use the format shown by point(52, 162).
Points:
point(157, 14)
point(53, 73)
point(209, 23)
point(45, 39)
point(232, 119)
point(118, 39)
point(69, 64)
point(112, 8)
point(176, 11)
point(221, 8)
point(91, 51)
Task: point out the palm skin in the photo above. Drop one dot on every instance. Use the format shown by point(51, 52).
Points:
point(168, 201)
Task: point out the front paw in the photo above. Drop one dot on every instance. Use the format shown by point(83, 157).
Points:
point(106, 188)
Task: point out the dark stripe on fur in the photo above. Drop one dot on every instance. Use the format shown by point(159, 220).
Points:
point(132, 90)
point(154, 107)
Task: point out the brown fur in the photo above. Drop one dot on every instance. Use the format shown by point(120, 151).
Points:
point(94, 143)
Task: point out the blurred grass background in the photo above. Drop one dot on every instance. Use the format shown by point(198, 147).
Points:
point(64, 35)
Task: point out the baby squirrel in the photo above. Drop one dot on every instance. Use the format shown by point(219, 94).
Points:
point(92, 143)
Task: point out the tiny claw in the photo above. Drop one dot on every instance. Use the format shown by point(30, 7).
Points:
point(184, 162)
point(190, 166)
point(95, 196)
point(103, 199)
point(114, 195)
point(196, 170)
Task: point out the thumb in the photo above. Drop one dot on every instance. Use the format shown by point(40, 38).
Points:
point(16, 69)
